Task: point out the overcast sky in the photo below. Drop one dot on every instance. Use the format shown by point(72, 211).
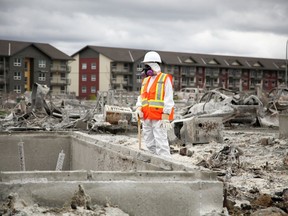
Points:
point(257, 28)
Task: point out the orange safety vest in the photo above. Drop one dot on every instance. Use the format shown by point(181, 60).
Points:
point(153, 101)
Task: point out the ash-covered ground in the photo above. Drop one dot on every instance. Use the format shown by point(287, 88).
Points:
point(252, 163)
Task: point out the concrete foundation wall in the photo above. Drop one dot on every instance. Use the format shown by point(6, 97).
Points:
point(136, 193)
point(92, 154)
point(41, 150)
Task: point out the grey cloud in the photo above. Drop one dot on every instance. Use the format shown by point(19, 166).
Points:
point(212, 26)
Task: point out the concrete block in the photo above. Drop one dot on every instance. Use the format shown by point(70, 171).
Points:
point(202, 130)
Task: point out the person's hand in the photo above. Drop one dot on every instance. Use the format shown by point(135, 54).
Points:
point(165, 123)
point(139, 112)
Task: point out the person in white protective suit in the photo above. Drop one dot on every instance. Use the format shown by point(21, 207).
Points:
point(155, 105)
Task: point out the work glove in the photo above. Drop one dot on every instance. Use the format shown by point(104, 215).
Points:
point(165, 123)
point(139, 112)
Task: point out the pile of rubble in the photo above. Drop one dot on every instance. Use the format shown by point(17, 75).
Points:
point(41, 111)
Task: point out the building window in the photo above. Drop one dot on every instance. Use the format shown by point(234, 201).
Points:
point(192, 69)
point(63, 89)
point(84, 66)
point(125, 66)
point(63, 66)
point(93, 89)
point(42, 63)
point(113, 65)
point(17, 88)
point(63, 76)
point(84, 77)
point(42, 77)
point(17, 62)
point(17, 75)
point(125, 79)
point(169, 68)
point(93, 66)
point(93, 77)
point(139, 79)
point(139, 67)
point(84, 90)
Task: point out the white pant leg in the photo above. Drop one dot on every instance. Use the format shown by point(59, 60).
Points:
point(148, 135)
point(161, 139)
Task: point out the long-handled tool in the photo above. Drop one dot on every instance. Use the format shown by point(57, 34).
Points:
point(139, 132)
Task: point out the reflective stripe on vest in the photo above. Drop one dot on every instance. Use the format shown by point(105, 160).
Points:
point(144, 100)
point(158, 102)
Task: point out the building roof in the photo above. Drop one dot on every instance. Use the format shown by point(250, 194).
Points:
point(190, 59)
point(117, 54)
point(17, 46)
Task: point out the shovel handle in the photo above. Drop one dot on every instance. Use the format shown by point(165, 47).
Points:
point(139, 132)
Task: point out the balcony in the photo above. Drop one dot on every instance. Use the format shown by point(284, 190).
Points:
point(60, 82)
point(120, 71)
point(259, 75)
point(215, 73)
point(208, 73)
point(191, 73)
point(238, 75)
point(119, 81)
point(231, 74)
point(3, 80)
point(184, 83)
point(230, 85)
point(61, 68)
point(2, 67)
point(208, 84)
point(252, 75)
point(190, 84)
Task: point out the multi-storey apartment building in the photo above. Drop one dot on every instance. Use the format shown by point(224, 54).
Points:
point(99, 68)
point(24, 63)
point(102, 68)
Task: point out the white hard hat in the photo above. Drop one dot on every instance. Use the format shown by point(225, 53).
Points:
point(152, 56)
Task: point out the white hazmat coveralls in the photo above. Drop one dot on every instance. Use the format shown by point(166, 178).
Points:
point(155, 136)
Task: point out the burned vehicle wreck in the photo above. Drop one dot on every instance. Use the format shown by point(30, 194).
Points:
point(227, 108)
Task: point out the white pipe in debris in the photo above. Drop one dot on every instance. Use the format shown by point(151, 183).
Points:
point(182, 120)
point(60, 161)
point(21, 155)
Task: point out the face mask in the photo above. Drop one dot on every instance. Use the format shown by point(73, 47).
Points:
point(147, 71)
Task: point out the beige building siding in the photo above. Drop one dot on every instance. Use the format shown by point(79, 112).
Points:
point(104, 73)
point(74, 76)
